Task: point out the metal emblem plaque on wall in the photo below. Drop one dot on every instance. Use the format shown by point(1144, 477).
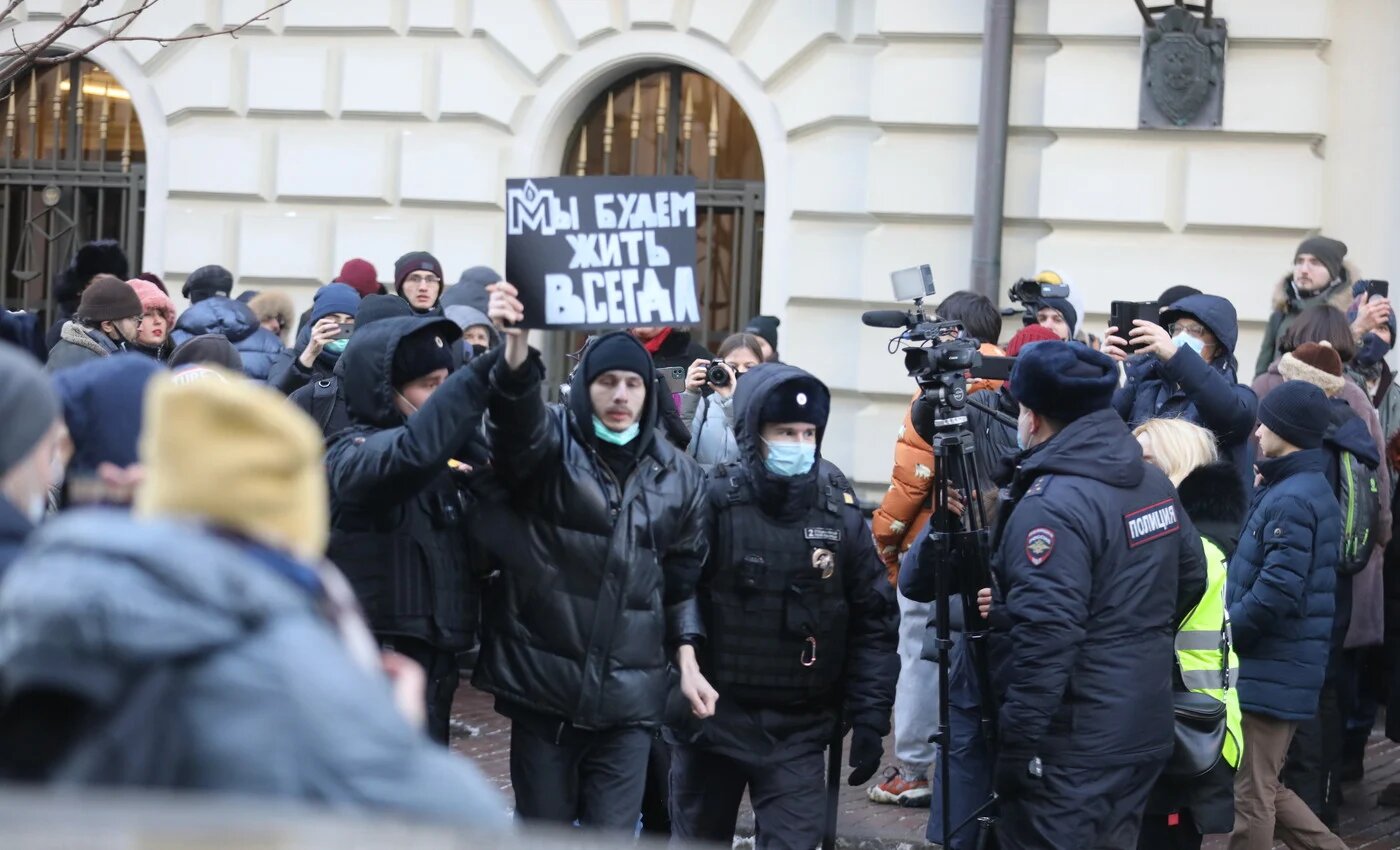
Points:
point(1183, 72)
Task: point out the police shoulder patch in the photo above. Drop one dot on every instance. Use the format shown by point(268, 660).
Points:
point(1153, 522)
point(1040, 545)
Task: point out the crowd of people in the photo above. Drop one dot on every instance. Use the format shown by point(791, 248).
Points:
point(247, 551)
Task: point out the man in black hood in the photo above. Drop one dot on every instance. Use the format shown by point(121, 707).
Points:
point(600, 550)
point(801, 626)
point(398, 510)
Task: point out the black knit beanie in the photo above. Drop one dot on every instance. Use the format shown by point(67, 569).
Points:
point(1296, 411)
point(1066, 309)
point(420, 353)
point(1330, 252)
point(415, 261)
point(618, 351)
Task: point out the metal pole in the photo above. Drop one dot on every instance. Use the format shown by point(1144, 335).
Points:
point(991, 148)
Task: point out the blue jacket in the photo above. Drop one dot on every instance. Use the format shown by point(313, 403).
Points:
point(1280, 589)
point(264, 699)
point(259, 347)
point(1186, 387)
point(1093, 560)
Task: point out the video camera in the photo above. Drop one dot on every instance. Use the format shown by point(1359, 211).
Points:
point(1030, 291)
point(942, 358)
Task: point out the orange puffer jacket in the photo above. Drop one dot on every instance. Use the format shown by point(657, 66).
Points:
point(906, 507)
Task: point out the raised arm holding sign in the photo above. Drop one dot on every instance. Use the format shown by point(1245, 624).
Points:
point(603, 252)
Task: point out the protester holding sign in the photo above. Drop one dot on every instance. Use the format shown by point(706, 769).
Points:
point(600, 549)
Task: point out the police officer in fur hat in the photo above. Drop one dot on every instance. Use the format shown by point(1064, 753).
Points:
point(1094, 565)
point(800, 622)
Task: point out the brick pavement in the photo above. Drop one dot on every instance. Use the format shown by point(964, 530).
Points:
point(865, 824)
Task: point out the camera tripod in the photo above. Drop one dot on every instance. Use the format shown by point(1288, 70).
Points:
point(960, 547)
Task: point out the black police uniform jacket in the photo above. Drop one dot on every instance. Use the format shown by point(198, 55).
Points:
point(597, 576)
point(398, 511)
point(800, 621)
point(1095, 556)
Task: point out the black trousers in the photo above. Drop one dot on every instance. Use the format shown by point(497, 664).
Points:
point(1079, 808)
point(656, 802)
point(595, 778)
point(1159, 833)
point(440, 665)
point(788, 796)
point(1315, 755)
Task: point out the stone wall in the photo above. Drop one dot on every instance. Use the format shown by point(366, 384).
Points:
point(366, 128)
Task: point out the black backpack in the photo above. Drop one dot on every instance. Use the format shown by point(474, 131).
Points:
point(1359, 492)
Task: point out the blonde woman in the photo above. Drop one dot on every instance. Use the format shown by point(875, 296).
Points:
point(1181, 811)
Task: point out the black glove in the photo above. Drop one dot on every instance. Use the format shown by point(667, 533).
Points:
point(866, 751)
point(1012, 777)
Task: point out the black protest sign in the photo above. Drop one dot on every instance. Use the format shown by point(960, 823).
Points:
point(602, 252)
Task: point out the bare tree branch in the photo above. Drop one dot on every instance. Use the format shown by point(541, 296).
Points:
point(26, 56)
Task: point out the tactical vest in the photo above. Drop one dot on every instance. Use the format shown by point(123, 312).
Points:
point(776, 612)
point(408, 565)
point(1204, 642)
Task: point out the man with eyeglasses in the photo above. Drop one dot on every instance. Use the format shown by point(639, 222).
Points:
point(1185, 367)
point(418, 280)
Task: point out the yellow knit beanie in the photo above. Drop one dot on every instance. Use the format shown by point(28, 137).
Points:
point(234, 454)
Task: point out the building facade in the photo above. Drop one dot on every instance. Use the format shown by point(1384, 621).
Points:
point(344, 128)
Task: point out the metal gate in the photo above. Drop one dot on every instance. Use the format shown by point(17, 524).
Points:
point(675, 121)
point(67, 176)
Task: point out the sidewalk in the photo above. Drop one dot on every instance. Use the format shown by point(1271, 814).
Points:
point(863, 824)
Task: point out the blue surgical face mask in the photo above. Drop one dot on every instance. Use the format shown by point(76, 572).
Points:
point(617, 438)
point(790, 459)
point(336, 346)
point(1185, 340)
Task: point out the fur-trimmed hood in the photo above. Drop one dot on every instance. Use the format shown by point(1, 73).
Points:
point(1214, 498)
point(80, 336)
point(1337, 293)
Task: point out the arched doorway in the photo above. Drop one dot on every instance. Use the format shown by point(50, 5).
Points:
point(72, 169)
point(670, 119)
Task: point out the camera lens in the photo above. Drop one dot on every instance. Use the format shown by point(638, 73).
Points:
point(717, 375)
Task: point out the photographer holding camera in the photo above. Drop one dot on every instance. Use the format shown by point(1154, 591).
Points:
point(707, 403)
point(1185, 368)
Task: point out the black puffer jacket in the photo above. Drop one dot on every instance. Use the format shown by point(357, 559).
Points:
point(398, 513)
point(595, 576)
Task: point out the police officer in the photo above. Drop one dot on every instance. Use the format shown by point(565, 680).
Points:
point(1093, 558)
point(800, 624)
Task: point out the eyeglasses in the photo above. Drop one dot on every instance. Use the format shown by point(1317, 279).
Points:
point(1188, 328)
point(422, 278)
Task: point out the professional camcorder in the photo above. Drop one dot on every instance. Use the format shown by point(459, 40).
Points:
point(1030, 291)
point(941, 358)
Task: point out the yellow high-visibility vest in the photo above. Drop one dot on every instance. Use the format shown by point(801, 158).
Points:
point(1205, 651)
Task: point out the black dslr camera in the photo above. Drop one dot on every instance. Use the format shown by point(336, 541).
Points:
point(717, 374)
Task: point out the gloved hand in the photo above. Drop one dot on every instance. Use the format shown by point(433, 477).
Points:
point(866, 751)
point(1012, 777)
